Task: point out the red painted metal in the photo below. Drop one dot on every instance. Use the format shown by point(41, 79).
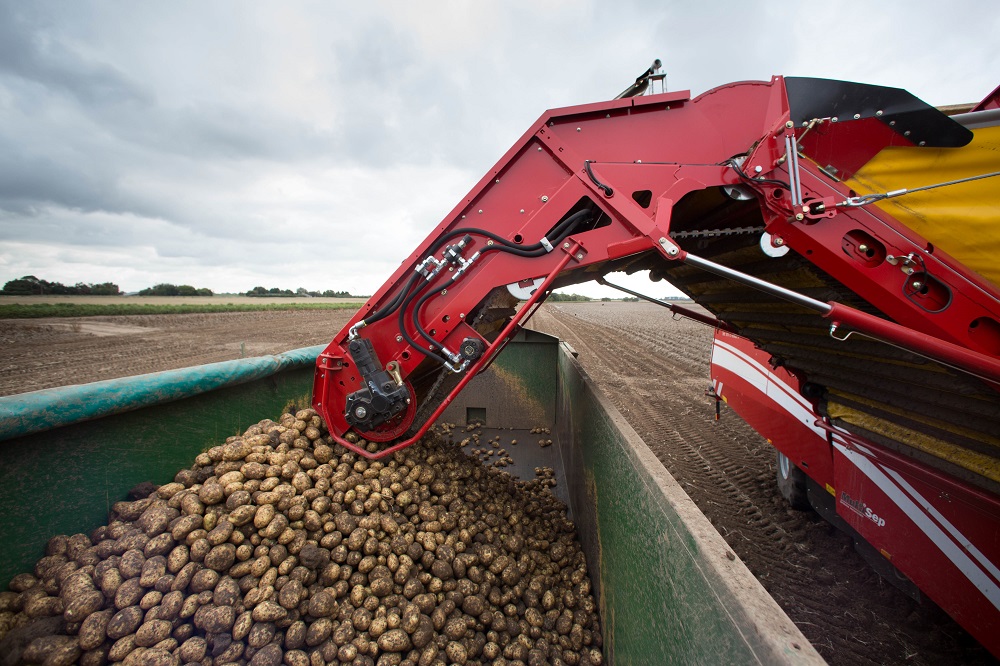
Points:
point(991, 101)
point(670, 145)
point(942, 533)
point(471, 372)
point(982, 365)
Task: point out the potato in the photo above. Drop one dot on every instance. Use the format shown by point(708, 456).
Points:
point(53, 651)
point(278, 547)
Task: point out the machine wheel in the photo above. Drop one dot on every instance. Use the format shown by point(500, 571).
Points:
point(792, 483)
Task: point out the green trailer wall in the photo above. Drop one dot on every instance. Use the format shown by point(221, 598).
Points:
point(88, 445)
point(669, 588)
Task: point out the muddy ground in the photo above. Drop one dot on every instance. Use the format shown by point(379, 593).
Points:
point(654, 369)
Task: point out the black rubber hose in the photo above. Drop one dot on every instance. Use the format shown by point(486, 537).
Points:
point(391, 307)
point(406, 335)
point(562, 230)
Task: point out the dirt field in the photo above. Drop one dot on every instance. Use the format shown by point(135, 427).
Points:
point(42, 353)
point(654, 369)
point(172, 300)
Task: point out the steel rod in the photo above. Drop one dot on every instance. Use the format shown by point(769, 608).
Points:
point(757, 283)
point(676, 309)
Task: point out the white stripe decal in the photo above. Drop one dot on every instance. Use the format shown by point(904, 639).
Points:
point(753, 372)
point(944, 522)
point(947, 546)
point(795, 395)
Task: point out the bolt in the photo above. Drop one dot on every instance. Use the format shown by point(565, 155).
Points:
point(489, 242)
point(566, 245)
point(545, 198)
point(862, 248)
point(922, 143)
point(672, 251)
point(399, 338)
point(778, 241)
point(892, 123)
point(918, 285)
point(578, 129)
point(497, 180)
point(879, 112)
point(522, 211)
point(539, 149)
point(906, 133)
point(758, 169)
point(461, 315)
point(579, 255)
point(834, 119)
point(908, 270)
point(360, 412)
point(480, 211)
point(857, 116)
point(800, 217)
point(789, 124)
point(444, 292)
point(607, 115)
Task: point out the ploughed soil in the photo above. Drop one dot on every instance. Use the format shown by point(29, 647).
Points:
point(43, 353)
point(655, 369)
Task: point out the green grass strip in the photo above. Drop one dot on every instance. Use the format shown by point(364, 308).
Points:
point(38, 310)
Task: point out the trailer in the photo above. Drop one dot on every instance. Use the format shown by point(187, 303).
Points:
point(669, 588)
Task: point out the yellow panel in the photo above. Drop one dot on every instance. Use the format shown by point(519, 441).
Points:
point(978, 463)
point(962, 220)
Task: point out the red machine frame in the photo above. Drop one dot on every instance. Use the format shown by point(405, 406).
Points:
point(940, 532)
point(686, 145)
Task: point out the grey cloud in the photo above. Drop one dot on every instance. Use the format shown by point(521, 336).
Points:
point(29, 51)
point(241, 137)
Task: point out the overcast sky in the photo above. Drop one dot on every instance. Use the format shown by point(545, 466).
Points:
point(306, 144)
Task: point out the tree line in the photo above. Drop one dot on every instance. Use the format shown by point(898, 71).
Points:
point(301, 291)
point(29, 285)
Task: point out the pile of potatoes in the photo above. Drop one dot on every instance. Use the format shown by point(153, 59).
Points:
point(277, 547)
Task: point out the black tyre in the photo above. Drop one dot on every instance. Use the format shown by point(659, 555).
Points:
point(792, 483)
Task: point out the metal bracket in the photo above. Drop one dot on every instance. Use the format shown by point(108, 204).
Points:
point(574, 249)
point(906, 264)
point(671, 249)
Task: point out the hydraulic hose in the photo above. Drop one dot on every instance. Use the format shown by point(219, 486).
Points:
point(561, 231)
point(534, 250)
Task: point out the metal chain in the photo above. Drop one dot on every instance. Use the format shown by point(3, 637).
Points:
point(710, 233)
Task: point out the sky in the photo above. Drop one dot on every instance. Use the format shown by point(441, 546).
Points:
point(315, 144)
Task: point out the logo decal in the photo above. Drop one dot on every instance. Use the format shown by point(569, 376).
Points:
point(862, 509)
